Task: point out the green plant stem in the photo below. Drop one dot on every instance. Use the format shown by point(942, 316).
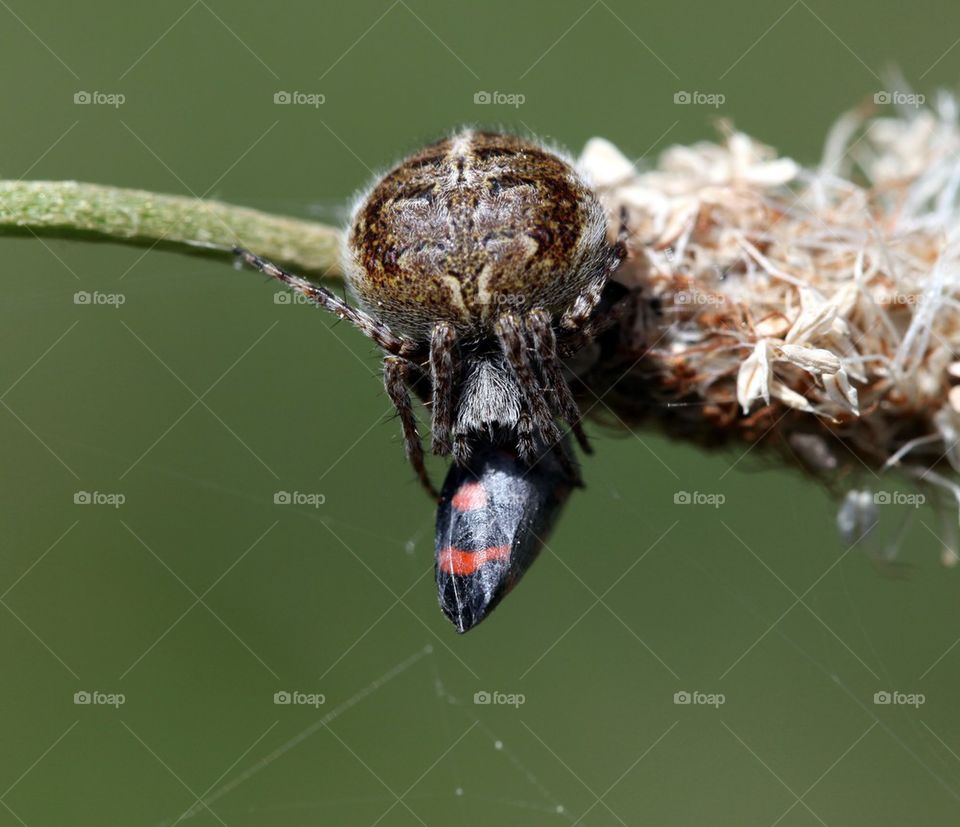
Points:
point(91, 212)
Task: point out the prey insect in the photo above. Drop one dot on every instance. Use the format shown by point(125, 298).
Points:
point(479, 266)
point(493, 515)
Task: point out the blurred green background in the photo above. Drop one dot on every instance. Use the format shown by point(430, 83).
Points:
point(200, 397)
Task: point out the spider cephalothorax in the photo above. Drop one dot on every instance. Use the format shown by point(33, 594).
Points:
point(478, 264)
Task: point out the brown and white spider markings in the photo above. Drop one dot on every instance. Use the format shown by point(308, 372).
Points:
point(478, 264)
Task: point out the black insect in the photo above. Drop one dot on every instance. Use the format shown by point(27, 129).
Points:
point(479, 265)
point(493, 516)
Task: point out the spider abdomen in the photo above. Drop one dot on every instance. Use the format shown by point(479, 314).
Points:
point(470, 227)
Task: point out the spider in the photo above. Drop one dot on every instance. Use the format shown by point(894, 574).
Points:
point(478, 265)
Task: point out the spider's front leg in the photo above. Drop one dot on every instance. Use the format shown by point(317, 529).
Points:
point(396, 379)
point(512, 334)
point(370, 327)
point(581, 322)
point(545, 351)
point(443, 345)
point(396, 365)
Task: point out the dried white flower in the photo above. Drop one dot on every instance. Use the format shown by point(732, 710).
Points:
point(790, 397)
point(841, 392)
point(753, 379)
point(814, 360)
point(835, 300)
point(605, 164)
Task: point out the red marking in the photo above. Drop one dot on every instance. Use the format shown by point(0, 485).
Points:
point(471, 496)
point(455, 561)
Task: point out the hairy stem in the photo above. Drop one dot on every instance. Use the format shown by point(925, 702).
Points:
point(91, 212)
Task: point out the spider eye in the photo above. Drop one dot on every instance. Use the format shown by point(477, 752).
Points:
point(493, 517)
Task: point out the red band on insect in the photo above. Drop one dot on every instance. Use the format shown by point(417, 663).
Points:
point(471, 496)
point(462, 563)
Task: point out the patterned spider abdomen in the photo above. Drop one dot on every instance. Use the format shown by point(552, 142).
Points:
point(470, 227)
point(491, 522)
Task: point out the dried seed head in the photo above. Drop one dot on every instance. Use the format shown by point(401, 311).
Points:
point(830, 307)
